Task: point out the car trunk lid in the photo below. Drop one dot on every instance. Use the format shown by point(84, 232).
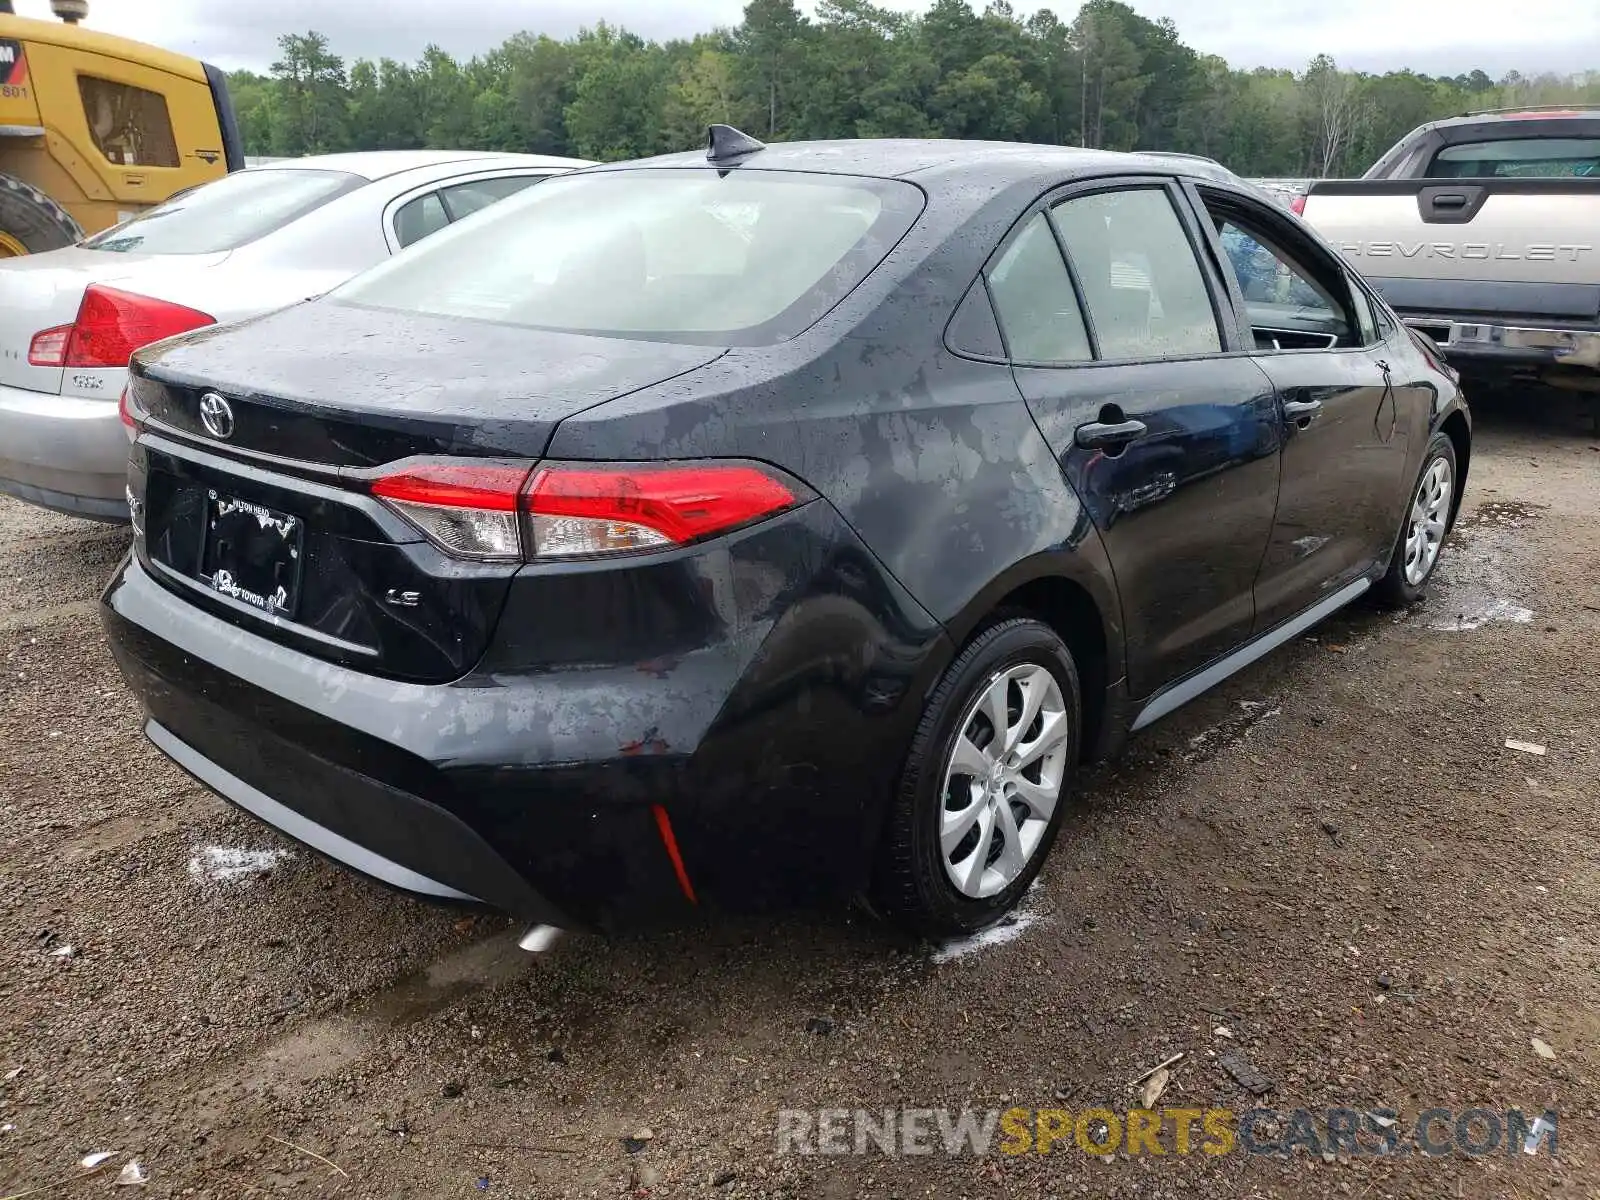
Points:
point(320, 398)
point(330, 385)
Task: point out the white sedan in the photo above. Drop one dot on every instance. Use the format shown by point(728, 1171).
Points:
point(254, 241)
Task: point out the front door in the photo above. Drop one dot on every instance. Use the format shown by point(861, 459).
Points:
point(1340, 408)
point(1171, 442)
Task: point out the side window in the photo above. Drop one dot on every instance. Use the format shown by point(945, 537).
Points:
point(1037, 307)
point(421, 217)
point(1290, 306)
point(129, 125)
point(1268, 276)
point(1140, 278)
point(467, 198)
point(1366, 318)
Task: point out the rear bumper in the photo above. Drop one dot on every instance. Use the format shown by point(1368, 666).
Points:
point(747, 770)
point(1531, 345)
point(269, 734)
point(304, 828)
point(64, 453)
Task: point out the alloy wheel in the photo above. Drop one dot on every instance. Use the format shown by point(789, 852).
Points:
point(1003, 779)
point(1430, 513)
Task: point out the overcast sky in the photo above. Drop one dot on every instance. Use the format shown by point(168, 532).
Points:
point(1440, 38)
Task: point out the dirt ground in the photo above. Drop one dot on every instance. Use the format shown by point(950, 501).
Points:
point(1334, 858)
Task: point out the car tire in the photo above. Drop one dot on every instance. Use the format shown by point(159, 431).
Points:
point(917, 883)
point(1406, 580)
point(31, 221)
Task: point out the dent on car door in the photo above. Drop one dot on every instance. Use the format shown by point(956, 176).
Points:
point(1113, 330)
point(1346, 417)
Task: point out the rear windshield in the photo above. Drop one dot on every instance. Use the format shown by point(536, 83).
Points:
point(1519, 158)
point(735, 257)
point(224, 215)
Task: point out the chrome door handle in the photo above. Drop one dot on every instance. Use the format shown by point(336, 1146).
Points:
point(1301, 412)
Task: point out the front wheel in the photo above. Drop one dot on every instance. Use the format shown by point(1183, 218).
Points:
point(1426, 523)
point(983, 789)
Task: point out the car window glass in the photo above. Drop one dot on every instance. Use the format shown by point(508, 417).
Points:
point(228, 213)
point(973, 330)
point(1038, 309)
point(1141, 280)
point(1387, 325)
point(1289, 307)
point(1266, 276)
point(741, 257)
point(420, 218)
point(1519, 158)
point(1365, 317)
point(129, 125)
point(464, 199)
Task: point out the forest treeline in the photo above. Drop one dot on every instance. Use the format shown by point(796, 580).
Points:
point(1111, 78)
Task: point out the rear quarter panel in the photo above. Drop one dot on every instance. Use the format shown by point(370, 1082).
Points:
point(933, 459)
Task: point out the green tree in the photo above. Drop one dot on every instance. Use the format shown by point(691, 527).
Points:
point(1111, 81)
point(704, 92)
point(771, 45)
point(868, 68)
point(312, 98)
point(621, 91)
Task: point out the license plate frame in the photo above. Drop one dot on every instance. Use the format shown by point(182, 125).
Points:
point(252, 554)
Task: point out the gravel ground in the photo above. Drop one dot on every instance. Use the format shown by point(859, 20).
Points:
point(1334, 858)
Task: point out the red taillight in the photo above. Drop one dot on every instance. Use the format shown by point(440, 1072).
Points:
point(466, 509)
point(111, 325)
point(124, 412)
point(490, 510)
point(582, 509)
point(1298, 205)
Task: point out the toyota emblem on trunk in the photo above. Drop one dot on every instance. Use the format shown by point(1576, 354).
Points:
point(217, 415)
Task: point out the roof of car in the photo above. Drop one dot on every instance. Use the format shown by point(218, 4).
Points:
point(380, 164)
point(994, 164)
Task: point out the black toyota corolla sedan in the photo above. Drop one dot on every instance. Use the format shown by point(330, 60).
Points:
point(766, 524)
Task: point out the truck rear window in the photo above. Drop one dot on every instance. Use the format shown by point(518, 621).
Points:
point(226, 214)
point(1519, 158)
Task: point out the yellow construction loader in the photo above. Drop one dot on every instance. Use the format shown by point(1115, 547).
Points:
point(94, 128)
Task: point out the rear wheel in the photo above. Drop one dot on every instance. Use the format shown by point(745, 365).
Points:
point(31, 222)
point(1426, 524)
point(984, 787)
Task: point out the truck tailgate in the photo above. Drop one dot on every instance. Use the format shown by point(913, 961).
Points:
point(1533, 231)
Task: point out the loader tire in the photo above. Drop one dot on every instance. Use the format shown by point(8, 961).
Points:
point(31, 222)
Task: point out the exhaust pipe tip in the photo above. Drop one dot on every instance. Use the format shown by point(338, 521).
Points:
point(539, 938)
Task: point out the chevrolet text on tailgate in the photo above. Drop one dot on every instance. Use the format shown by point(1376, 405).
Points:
point(1482, 231)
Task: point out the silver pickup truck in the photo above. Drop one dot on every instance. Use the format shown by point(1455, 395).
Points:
point(1484, 233)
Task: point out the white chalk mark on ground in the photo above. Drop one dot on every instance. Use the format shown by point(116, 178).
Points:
point(227, 864)
point(1474, 585)
point(1480, 613)
point(1008, 930)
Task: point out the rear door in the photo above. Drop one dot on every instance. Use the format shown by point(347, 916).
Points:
point(1166, 429)
point(1348, 419)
